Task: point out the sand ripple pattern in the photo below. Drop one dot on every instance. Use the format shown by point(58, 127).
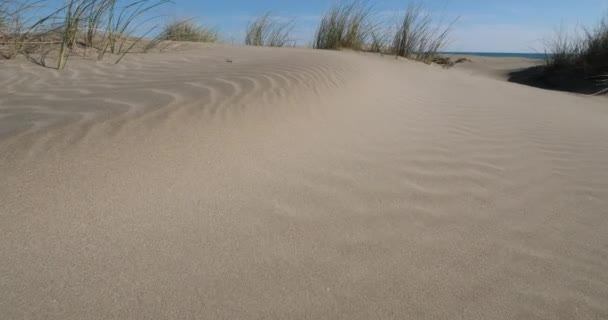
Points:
point(297, 184)
point(156, 87)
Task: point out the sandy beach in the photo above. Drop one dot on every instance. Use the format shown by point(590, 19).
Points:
point(220, 182)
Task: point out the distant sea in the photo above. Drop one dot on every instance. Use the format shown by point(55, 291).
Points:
point(540, 56)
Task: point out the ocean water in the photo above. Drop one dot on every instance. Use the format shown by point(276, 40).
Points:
point(540, 56)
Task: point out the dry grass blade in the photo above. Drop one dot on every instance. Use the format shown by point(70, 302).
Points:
point(123, 22)
point(97, 12)
point(75, 12)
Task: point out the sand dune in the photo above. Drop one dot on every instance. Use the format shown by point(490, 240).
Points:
point(496, 68)
point(293, 183)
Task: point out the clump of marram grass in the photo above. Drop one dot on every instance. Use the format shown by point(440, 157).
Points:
point(345, 26)
point(419, 36)
point(188, 31)
point(351, 24)
point(575, 61)
point(104, 26)
point(81, 18)
point(268, 31)
point(585, 53)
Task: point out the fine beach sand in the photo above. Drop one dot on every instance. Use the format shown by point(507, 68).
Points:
point(298, 184)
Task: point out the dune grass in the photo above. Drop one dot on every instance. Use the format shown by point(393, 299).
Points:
point(188, 31)
point(576, 61)
point(18, 30)
point(9, 30)
point(419, 36)
point(74, 14)
point(266, 30)
point(379, 40)
point(585, 52)
point(115, 27)
point(123, 21)
point(104, 26)
point(97, 12)
point(346, 25)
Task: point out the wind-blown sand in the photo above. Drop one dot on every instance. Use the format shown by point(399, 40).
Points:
point(294, 183)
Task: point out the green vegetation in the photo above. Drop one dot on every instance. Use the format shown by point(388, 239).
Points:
point(116, 27)
point(345, 26)
point(576, 61)
point(188, 31)
point(123, 20)
point(103, 26)
point(419, 36)
point(353, 25)
point(268, 31)
point(585, 53)
point(379, 41)
point(73, 14)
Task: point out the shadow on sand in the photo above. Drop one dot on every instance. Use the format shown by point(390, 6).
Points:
point(569, 81)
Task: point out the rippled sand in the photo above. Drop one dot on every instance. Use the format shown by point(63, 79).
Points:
point(294, 183)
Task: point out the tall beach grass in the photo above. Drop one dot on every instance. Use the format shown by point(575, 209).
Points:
point(353, 24)
point(584, 51)
point(102, 26)
point(124, 21)
point(419, 35)
point(269, 31)
point(346, 25)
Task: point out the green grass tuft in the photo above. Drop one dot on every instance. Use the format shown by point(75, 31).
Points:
point(188, 31)
point(419, 36)
point(585, 53)
point(268, 31)
point(345, 26)
point(351, 24)
point(101, 26)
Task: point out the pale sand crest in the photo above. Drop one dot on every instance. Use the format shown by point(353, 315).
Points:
point(297, 184)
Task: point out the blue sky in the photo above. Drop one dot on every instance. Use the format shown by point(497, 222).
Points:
point(484, 25)
point(490, 25)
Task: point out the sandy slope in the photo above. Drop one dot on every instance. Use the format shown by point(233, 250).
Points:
point(496, 68)
point(297, 184)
